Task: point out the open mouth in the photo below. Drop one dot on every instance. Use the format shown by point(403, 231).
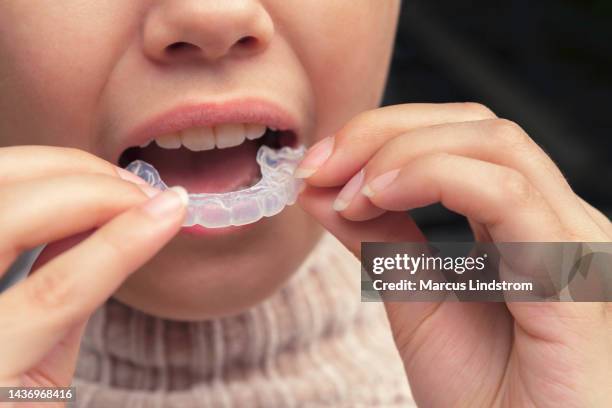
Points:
point(235, 173)
point(214, 159)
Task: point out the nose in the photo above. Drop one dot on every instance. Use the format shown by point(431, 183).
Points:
point(205, 29)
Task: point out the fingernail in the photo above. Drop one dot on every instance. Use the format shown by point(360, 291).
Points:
point(348, 192)
point(301, 188)
point(379, 183)
point(148, 190)
point(167, 203)
point(129, 176)
point(316, 156)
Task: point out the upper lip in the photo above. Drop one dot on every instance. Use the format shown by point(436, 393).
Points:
point(252, 111)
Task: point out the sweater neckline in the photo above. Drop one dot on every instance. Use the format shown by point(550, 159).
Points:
point(295, 346)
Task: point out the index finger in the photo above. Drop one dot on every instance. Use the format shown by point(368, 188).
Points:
point(353, 146)
point(40, 210)
point(38, 311)
point(18, 163)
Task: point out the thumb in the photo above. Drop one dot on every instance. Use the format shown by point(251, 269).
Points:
point(388, 227)
point(55, 248)
point(59, 364)
point(414, 324)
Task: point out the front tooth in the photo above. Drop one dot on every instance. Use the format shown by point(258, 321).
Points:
point(198, 139)
point(171, 141)
point(229, 135)
point(254, 131)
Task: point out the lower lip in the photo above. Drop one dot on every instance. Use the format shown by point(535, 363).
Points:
point(199, 231)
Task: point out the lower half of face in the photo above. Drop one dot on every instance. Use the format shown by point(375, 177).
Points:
point(184, 77)
point(195, 278)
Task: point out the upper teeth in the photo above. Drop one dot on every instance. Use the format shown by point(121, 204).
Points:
point(206, 138)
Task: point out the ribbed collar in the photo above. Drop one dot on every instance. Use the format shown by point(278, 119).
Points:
point(298, 345)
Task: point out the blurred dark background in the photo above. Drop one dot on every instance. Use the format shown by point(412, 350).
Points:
point(545, 64)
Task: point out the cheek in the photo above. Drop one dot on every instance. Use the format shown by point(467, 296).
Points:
point(54, 73)
point(347, 48)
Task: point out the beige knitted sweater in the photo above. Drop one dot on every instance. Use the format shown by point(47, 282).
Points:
point(312, 344)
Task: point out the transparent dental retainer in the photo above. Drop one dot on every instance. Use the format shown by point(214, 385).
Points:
point(276, 189)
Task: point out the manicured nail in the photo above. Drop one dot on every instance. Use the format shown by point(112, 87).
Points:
point(349, 191)
point(379, 183)
point(129, 176)
point(167, 203)
point(316, 156)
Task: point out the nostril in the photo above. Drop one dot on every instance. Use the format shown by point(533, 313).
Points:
point(247, 41)
point(245, 44)
point(180, 46)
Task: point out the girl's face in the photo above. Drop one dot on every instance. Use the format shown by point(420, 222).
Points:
point(102, 76)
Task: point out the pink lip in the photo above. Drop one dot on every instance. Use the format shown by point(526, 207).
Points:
point(254, 111)
point(199, 231)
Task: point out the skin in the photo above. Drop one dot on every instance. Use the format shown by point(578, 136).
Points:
point(490, 171)
point(299, 61)
point(76, 77)
point(534, 354)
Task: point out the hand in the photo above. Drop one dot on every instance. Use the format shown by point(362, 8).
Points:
point(48, 194)
point(468, 354)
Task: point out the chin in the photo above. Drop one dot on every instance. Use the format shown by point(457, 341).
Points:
point(199, 278)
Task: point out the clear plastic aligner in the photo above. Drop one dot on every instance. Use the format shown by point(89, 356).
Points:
point(276, 189)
